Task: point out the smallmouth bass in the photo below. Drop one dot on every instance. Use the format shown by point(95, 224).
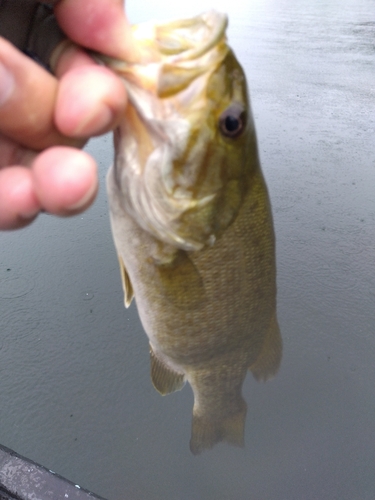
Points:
point(191, 221)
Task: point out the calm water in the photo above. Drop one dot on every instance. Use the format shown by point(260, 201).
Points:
point(75, 390)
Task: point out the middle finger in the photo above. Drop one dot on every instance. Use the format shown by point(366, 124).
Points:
point(27, 100)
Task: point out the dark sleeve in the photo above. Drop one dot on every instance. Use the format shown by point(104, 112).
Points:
point(31, 26)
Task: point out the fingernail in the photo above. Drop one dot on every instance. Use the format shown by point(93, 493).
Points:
point(28, 215)
point(6, 84)
point(94, 122)
point(85, 199)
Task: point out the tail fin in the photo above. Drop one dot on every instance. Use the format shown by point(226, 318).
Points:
point(206, 431)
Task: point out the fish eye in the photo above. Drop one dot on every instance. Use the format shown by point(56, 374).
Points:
point(233, 121)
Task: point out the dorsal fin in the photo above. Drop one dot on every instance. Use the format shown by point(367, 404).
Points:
point(126, 283)
point(164, 378)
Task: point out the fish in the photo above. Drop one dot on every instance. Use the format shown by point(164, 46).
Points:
point(192, 223)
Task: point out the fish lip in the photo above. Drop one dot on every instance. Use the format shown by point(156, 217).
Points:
point(179, 50)
point(200, 46)
point(216, 23)
point(212, 23)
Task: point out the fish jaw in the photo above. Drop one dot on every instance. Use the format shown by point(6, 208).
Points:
point(171, 54)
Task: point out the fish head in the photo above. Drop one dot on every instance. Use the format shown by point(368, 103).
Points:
point(185, 144)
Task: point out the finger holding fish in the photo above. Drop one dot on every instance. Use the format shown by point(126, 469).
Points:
point(39, 110)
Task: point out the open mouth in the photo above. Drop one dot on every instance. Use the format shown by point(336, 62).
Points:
point(189, 39)
point(173, 54)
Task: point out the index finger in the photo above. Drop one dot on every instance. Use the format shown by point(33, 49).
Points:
point(27, 101)
point(99, 25)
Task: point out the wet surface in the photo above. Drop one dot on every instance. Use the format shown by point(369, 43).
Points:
point(75, 389)
point(22, 479)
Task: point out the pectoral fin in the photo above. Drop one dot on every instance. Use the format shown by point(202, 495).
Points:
point(268, 362)
point(126, 283)
point(164, 379)
point(181, 283)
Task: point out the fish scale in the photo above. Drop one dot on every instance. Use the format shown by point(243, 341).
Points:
point(200, 262)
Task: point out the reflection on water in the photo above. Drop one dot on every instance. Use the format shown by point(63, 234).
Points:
point(15, 286)
point(75, 386)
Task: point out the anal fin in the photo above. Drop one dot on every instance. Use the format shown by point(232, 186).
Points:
point(126, 283)
point(164, 378)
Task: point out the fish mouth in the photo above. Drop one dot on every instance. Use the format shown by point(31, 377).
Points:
point(189, 39)
point(172, 54)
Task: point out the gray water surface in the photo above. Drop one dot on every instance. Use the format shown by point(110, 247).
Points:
point(75, 391)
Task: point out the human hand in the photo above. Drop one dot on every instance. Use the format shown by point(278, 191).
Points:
point(44, 119)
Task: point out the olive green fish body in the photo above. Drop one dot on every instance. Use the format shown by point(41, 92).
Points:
point(193, 230)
